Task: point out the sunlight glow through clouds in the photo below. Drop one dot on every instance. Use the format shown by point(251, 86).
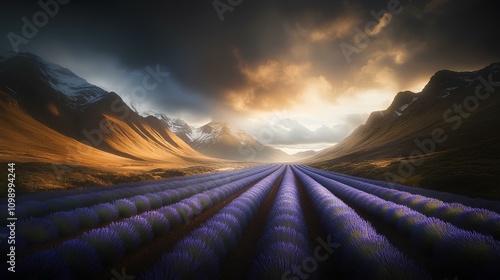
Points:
point(314, 117)
point(289, 94)
point(305, 105)
point(337, 28)
point(293, 149)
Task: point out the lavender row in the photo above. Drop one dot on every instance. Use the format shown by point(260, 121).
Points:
point(39, 230)
point(363, 253)
point(443, 196)
point(457, 251)
point(480, 220)
point(200, 254)
point(107, 194)
point(42, 208)
point(85, 256)
point(174, 182)
point(284, 246)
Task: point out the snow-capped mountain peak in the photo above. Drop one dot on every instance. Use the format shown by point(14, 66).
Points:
point(215, 131)
point(174, 124)
point(72, 86)
point(211, 132)
point(75, 91)
point(221, 140)
point(178, 126)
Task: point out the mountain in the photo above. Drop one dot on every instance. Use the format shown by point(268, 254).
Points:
point(178, 126)
point(68, 111)
point(304, 154)
point(25, 139)
point(220, 140)
point(445, 137)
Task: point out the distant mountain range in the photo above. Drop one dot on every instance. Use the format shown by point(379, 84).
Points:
point(446, 137)
point(304, 154)
point(221, 140)
point(80, 123)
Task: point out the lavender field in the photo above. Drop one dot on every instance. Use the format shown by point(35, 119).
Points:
point(267, 222)
point(257, 140)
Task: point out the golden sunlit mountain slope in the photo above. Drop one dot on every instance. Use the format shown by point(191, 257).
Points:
point(60, 100)
point(63, 132)
point(26, 140)
point(147, 140)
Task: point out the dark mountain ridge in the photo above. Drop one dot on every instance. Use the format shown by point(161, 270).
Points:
point(446, 137)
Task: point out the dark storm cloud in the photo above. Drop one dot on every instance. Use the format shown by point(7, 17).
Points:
point(434, 35)
point(185, 36)
point(188, 38)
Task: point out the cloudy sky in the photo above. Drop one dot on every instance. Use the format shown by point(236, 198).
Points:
point(295, 74)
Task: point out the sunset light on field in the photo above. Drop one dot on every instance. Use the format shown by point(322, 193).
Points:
point(250, 139)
